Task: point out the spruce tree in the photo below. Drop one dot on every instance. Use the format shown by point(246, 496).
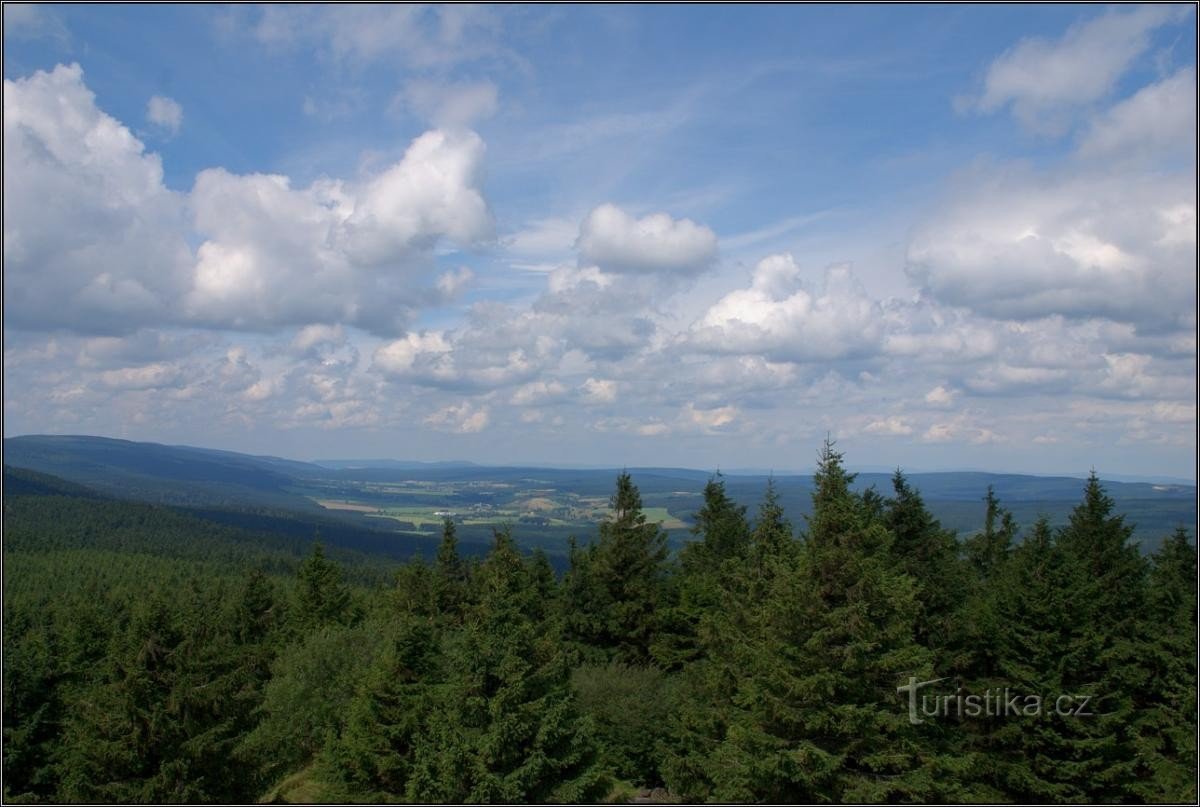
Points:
point(451, 573)
point(694, 588)
point(372, 759)
point(505, 727)
point(1166, 699)
point(619, 581)
point(988, 550)
point(322, 596)
point(930, 555)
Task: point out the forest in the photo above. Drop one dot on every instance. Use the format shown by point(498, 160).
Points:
point(152, 656)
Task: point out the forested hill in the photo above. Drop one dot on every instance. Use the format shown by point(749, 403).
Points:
point(397, 496)
point(151, 655)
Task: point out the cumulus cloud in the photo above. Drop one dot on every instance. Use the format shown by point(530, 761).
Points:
point(778, 318)
point(462, 418)
point(894, 426)
point(713, 418)
point(940, 396)
point(1046, 81)
point(165, 113)
point(1011, 243)
point(617, 242)
point(599, 390)
point(108, 250)
point(103, 250)
point(457, 361)
point(960, 429)
point(538, 392)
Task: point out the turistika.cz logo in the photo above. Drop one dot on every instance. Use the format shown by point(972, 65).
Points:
point(990, 703)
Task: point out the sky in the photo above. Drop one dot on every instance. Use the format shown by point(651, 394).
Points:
point(949, 237)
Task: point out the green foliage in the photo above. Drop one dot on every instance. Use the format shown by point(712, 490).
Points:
point(504, 726)
point(322, 597)
point(630, 708)
point(153, 656)
point(615, 585)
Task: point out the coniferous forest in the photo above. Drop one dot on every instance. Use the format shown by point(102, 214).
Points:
point(153, 658)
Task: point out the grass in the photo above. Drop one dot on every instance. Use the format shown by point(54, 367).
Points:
point(299, 788)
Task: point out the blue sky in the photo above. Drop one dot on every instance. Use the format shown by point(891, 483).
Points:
point(950, 236)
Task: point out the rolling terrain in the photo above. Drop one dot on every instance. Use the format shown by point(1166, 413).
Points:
point(397, 507)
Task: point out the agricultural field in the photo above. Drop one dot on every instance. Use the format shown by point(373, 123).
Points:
point(422, 505)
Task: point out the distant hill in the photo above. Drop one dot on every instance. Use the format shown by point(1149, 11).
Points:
point(165, 474)
point(404, 465)
point(227, 482)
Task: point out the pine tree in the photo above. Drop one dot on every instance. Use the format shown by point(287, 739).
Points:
point(618, 581)
point(930, 555)
point(451, 573)
point(694, 587)
point(1166, 699)
point(1029, 757)
point(705, 697)
point(372, 759)
point(814, 714)
point(988, 550)
point(505, 728)
point(322, 596)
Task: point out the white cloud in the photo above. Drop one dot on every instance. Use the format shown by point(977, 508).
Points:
point(1011, 243)
point(617, 242)
point(165, 113)
point(150, 376)
point(108, 250)
point(599, 390)
point(1046, 81)
point(1158, 119)
point(458, 361)
point(779, 319)
point(103, 250)
point(537, 392)
point(313, 336)
point(894, 426)
point(960, 429)
point(461, 419)
point(277, 256)
point(452, 282)
point(450, 104)
point(940, 396)
point(418, 36)
point(713, 418)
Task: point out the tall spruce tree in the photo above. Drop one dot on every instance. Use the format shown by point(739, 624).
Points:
point(722, 537)
point(1166, 698)
point(618, 581)
point(930, 555)
point(373, 757)
point(450, 581)
point(505, 728)
point(814, 715)
point(322, 596)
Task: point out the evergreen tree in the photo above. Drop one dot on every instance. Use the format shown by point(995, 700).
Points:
point(704, 705)
point(694, 586)
point(1029, 757)
point(930, 555)
point(621, 581)
point(505, 728)
point(322, 596)
point(372, 759)
point(1166, 699)
point(451, 573)
point(814, 713)
point(988, 550)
